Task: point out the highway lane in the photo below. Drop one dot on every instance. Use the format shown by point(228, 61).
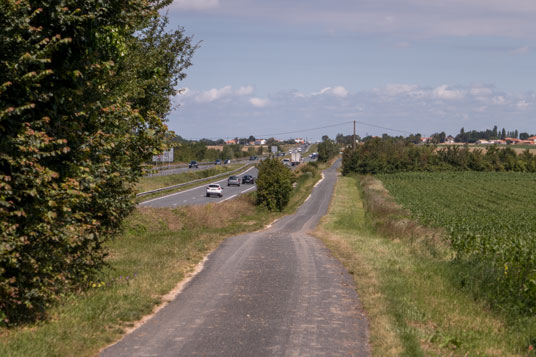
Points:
point(197, 195)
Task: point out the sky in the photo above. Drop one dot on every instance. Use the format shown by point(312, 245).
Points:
point(306, 68)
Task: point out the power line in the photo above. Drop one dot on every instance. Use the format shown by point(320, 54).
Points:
point(309, 129)
point(304, 130)
point(383, 127)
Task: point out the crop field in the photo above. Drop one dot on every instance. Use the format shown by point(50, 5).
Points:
point(489, 217)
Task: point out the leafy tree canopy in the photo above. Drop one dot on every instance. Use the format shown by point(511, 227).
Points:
point(85, 88)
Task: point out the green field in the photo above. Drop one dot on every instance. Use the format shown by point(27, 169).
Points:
point(490, 220)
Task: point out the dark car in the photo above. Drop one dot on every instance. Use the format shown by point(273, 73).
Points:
point(248, 179)
point(193, 163)
point(253, 158)
point(227, 161)
point(217, 162)
point(233, 180)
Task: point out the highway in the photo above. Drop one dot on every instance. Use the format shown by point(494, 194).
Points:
point(197, 195)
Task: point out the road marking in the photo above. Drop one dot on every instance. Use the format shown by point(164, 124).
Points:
point(322, 179)
point(249, 189)
point(191, 189)
point(307, 199)
point(228, 198)
point(172, 194)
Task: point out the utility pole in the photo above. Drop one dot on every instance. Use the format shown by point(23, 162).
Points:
point(353, 142)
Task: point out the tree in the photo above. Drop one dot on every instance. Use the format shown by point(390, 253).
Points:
point(274, 184)
point(85, 88)
point(327, 149)
point(523, 136)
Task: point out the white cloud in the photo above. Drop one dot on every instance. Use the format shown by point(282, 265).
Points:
point(246, 90)
point(400, 106)
point(443, 92)
point(195, 4)
point(481, 91)
point(498, 100)
point(520, 50)
point(221, 93)
point(214, 94)
point(338, 91)
point(410, 20)
point(259, 102)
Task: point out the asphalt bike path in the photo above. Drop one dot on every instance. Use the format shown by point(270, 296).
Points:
point(276, 292)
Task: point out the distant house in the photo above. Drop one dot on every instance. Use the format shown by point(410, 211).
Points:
point(260, 142)
point(425, 140)
point(231, 142)
point(526, 142)
point(533, 139)
point(512, 140)
point(483, 142)
point(449, 139)
point(498, 142)
point(299, 141)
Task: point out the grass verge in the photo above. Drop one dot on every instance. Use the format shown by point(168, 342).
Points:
point(157, 249)
point(403, 277)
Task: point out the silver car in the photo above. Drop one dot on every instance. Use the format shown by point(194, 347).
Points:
point(233, 180)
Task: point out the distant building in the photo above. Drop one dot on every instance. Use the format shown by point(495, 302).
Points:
point(533, 139)
point(512, 140)
point(425, 140)
point(231, 142)
point(498, 142)
point(260, 142)
point(299, 141)
point(449, 139)
point(483, 142)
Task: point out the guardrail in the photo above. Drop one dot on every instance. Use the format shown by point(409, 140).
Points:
point(191, 182)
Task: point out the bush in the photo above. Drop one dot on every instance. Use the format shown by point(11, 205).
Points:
point(274, 184)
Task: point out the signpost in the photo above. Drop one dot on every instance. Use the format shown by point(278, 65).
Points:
point(166, 156)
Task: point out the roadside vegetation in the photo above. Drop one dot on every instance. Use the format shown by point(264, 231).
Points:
point(85, 88)
point(392, 155)
point(409, 284)
point(156, 249)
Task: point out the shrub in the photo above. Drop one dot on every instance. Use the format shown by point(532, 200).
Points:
point(274, 184)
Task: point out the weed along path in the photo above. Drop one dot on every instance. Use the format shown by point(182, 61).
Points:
point(273, 292)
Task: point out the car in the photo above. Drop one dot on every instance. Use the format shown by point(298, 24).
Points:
point(214, 189)
point(227, 161)
point(233, 180)
point(193, 163)
point(286, 162)
point(253, 158)
point(217, 162)
point(248, 179)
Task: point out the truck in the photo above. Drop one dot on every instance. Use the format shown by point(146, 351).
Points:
point(295, 158)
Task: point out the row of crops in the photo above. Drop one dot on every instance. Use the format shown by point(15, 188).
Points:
point(489, 217)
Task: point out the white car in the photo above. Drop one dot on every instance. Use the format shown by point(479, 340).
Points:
point(214, 189)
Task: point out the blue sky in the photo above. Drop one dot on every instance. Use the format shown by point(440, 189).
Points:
point(268, 67)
